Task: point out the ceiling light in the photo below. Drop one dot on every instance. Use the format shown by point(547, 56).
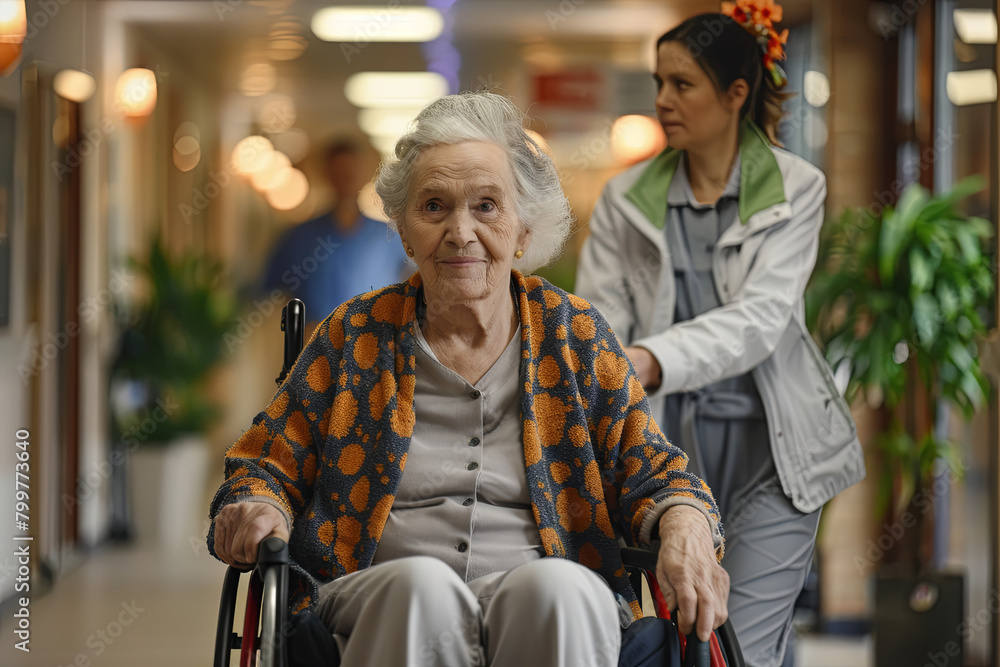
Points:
point(13, 28)
point(135, 92)
point(385, 145)
point(13, 21)
point(816, 88)
point(976, 26)
point(971, 87)
point(74, 85)
point(377, 24)
point(383, 122)
point(395, 89)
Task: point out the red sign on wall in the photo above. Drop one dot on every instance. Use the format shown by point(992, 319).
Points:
point(580, 90)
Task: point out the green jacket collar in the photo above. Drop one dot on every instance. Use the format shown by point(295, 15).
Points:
point(761, 184)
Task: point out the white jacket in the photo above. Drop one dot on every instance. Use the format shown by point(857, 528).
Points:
point(761, 265)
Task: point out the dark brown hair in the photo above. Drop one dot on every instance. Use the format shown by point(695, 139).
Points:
point(727, 52)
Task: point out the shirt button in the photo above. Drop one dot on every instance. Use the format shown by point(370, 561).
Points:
point(473, 466)
point(473, 442)
point(462, 547)
point(474, 394)
point(467, 502)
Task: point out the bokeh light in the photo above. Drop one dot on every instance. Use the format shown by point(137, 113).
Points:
point(635, 138)
point(135, 92)
point(288, 190)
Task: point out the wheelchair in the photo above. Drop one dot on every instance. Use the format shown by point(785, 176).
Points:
point(266, 622)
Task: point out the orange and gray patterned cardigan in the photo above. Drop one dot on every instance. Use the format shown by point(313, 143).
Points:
point(331, 447)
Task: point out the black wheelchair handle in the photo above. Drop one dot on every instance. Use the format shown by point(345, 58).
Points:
point(272, 568)
point(645, 559)
point(272, 551)
point(696, 652)
point(293, 323)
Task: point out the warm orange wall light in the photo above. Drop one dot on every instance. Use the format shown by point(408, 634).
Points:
point(135, 93)
point(13, 28)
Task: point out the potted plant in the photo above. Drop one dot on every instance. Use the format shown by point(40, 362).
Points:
point(897, 301)
point(161, 411)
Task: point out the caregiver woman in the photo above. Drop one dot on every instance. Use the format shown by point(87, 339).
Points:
point(698, 259)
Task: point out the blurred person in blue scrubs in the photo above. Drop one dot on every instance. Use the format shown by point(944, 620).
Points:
point(342, 253)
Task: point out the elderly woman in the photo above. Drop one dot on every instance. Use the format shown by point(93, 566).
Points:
point(454, 459)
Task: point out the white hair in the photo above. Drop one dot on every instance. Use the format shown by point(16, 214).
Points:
point(539, 200)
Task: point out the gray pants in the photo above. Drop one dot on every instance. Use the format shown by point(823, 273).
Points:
point(417, 612)
point(769, 543)
point(769, 547)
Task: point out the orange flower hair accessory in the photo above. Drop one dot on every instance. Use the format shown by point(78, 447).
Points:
point(758, 18)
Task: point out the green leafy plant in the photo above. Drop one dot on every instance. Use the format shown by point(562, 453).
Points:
point(899, 298)
point(173, 342)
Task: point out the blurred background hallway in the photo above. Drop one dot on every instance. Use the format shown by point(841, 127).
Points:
point(154, 154)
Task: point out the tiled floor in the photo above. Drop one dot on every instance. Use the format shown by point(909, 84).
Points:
point(132, 606)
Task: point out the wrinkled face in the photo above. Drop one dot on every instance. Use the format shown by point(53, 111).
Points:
point(690, 108)
point(460, 220)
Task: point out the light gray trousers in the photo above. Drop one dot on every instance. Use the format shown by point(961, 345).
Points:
point(769, 547)
point(417, 612)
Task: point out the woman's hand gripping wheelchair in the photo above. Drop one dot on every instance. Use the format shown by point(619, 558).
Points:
point(648, 642)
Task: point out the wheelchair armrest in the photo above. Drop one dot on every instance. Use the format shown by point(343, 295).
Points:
point(641, 559)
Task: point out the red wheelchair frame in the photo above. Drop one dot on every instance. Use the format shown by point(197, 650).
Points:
point(266, 610)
